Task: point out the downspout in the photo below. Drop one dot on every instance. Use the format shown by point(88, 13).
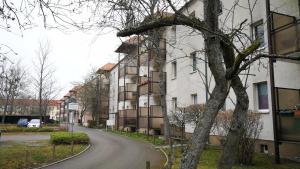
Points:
point(137, 83)
point(272, 85)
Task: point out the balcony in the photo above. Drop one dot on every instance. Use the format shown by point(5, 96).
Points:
point(285, 34)
point(128, 70)
point(127, 96)
point(154, 78)
point(288, 113)
point(127, 118)
point(154, 54)
point(149, 88)
point(129, 87)
point(155, 117)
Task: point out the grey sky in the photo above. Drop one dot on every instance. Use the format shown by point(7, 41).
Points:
point(73, 54)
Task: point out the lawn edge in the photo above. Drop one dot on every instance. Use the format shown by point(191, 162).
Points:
point(65, 159)
point(166, 156)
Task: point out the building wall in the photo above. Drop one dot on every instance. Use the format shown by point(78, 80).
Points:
point(113, 93)
point(187, 41)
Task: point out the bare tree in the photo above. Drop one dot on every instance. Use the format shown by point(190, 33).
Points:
point(44, 81)
point(12, 82)
point(250, 133)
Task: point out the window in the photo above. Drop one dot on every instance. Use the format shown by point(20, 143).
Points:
point(173, 35)
point(264, 148)
point(174, 70)
point(194, 61)
point(258, 30)
point(174, 103)
point(194, 99)
point(262, 93)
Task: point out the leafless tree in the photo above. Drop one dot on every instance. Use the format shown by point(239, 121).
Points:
point(250, 133)
point(11, 85)
point(43, 79)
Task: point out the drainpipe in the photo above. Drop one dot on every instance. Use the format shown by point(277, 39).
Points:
point(272, 85)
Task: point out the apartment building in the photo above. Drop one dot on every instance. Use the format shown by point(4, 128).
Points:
point(134, 83)
point(187, 69)
point(28, 108)
point(95, 95)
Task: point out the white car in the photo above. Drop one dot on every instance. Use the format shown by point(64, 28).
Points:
point(34, 123)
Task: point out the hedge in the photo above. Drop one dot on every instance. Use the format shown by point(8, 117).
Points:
point(24, 129)
point(67, 137)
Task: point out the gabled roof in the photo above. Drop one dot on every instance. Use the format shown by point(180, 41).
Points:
point(128, 45)
point(106, 68)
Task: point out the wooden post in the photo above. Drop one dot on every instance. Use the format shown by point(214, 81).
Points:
point(147, 164)
point(26, 157)
point(53, 151)
point(72, 146)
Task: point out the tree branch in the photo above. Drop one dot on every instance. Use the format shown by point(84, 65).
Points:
point(162, 22)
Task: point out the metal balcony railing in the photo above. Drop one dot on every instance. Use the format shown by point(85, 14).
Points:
point(155, 117)
point(127, 96)
point(128, 70)
point(288, 114)
point(285, 34)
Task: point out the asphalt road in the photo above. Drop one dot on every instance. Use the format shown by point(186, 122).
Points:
point(109, 151)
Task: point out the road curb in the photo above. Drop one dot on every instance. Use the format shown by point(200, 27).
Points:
point(167, 159)
point(65, 159)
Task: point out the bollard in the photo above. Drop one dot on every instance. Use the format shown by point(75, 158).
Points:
point(147, 164)
point(72, 148)
point(26, 158)
point(53, 151)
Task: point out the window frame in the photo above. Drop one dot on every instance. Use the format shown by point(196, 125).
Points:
point(194, 98)
point(254, 29)
point(258, 95)
point(193, 56)
point(174, 69)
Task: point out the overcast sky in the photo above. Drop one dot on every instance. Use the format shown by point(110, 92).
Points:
point(73, 54)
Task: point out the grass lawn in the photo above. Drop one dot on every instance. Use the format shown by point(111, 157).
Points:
point(13, 155)
point(138, 136)
point(211, 155)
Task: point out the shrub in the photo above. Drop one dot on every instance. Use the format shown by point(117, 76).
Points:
point(249, 134)
point(23, 129)
point(67, 137)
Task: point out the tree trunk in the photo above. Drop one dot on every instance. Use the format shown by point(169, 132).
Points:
point(5, 109)
point(214, 54)
point(238, 119)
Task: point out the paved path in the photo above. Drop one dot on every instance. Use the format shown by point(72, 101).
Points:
point(110, 151)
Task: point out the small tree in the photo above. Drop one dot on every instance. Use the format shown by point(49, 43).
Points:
point(249, 134)
point(43, 80)
point(12, 82)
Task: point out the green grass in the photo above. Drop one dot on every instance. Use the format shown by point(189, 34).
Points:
point(211, 155)
point(13, 156)
point(68, 137)
point(138, 136)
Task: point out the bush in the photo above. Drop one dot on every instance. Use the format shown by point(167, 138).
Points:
point(92, 123)
point(249, 134)
point(67, 137)
point(23, 129)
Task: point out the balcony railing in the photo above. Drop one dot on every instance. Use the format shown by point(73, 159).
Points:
point(127, 96)
point(285, 34)
point(127, 117)
point(154, 54)
point(288, 109)
point(128, 70)
point(155, 117)
point(149, 88)
point(154, 78)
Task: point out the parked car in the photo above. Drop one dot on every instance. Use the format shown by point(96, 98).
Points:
point(34, 123)
point(22, 122)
